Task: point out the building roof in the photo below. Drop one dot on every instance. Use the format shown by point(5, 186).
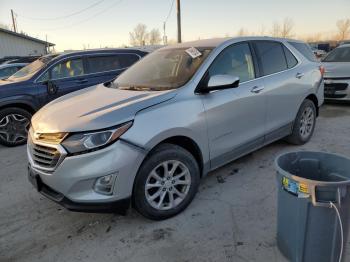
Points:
point(26, 37)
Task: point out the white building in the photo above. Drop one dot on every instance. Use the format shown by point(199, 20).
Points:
point(15, 44)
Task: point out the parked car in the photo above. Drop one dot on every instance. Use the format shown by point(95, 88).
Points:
point(18, 59)
point(168, 120)
point(50, 77)
point(337, 73)
point(7, 70)
point(318, 52)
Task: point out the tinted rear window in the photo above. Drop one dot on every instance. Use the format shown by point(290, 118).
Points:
point(340, 54)
point(271, 56)
point(305, 50)
point(291, 60)
point(127, 60)
point(103, 63)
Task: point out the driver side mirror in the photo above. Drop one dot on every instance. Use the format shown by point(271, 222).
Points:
point(220, 82)
point(51, 87)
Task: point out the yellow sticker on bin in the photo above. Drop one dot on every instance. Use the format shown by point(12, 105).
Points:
point(303, 188)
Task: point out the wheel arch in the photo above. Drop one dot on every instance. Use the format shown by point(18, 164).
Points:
point(314, 99)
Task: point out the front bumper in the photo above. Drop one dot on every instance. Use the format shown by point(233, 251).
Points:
point(337, 88)
point(71, 183)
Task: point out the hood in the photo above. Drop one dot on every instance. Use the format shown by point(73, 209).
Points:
point(337, 69)
point(94, 108)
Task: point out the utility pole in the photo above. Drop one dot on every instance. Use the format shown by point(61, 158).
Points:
point(178, 11)
point(13, 21)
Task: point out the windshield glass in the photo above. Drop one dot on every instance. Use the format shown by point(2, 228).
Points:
point(341, 54)
point(162, 70)
point(28, 71)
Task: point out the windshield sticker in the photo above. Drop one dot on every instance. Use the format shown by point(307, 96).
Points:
point(193, 52)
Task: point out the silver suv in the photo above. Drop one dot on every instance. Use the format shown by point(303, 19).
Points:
point(150, 136)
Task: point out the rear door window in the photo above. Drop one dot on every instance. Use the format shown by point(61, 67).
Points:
point(291, 60)
point(305, 50)
point(127, 60)
point(271, 56)
point(103, 63)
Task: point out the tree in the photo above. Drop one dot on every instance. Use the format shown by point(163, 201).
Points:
point(276, 29)
point(139, 36)
point(287, 28)
point(242, 32)
point(343, 29)
point(154, 37)
point(284, 29)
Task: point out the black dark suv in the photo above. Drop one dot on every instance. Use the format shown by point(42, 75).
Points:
point(50, 77)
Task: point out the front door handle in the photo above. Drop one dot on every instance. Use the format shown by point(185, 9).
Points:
point(257, 89)
point(299, 75)
point(81, 81)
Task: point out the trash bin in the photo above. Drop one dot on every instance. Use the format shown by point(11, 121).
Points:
point(313, 205)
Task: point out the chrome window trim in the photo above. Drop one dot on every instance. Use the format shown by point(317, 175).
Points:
point(78, 56)
point(204, 67)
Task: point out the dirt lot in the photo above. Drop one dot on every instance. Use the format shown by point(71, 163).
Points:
point(233, 217)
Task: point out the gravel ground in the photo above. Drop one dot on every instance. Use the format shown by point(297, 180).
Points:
point(232, 218)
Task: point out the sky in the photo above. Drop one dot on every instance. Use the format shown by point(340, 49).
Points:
point(108, 22)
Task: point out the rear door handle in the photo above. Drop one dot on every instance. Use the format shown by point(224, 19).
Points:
point(257, 89)
point(299, 75)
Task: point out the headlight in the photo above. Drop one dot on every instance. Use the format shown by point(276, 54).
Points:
point(81, 142)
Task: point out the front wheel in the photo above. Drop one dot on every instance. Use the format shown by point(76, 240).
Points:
point(166, 182)
point(14, 123)
point(304, 124)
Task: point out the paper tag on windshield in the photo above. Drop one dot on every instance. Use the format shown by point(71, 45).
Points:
point(193, 52)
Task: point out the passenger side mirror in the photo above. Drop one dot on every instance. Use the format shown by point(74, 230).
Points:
point(219, 82)
point(51, 87)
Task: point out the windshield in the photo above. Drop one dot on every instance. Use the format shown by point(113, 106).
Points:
point(28, 71)
point(341, 54)
point(162, 70)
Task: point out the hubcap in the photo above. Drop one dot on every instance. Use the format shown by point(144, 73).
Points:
point(14, 128)
point(167, 185)
point(307, 122)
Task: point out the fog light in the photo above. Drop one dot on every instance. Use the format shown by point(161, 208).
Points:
point(104, 185)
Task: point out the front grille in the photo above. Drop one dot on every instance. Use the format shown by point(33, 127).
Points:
point(44, 157)
point(336, 87)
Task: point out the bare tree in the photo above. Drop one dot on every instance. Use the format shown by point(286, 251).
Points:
point(343, 29)
point(154, 37)
point(242, 32)
point(139, 36)
point(287, 28)
point(276, 29)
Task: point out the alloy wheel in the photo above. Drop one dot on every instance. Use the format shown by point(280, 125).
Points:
point(14, 128)
point(307, 122)
point(167, 185)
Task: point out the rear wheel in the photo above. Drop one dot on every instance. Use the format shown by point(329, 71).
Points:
point(304, 124)
point(166, 182)
point(14, 124)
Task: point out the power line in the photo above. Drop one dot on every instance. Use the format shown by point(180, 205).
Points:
point(83, 21)
point(171, 8)
point(64, 16)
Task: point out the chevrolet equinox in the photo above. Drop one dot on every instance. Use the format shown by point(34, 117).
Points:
point(148, 137)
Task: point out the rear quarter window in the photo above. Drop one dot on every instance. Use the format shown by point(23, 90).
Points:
point(305, 50)
point(291, 60)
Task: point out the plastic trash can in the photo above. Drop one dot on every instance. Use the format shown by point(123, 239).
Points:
point(313, 205)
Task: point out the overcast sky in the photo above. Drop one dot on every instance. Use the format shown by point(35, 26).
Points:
point(108, 22)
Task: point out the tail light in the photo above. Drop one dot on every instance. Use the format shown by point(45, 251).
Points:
point(322, 70)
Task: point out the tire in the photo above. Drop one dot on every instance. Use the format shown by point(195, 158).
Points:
point(14, 123)
point(184, 168)
point(304, 124)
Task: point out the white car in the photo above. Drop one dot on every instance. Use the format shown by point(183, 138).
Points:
point(337, 73)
